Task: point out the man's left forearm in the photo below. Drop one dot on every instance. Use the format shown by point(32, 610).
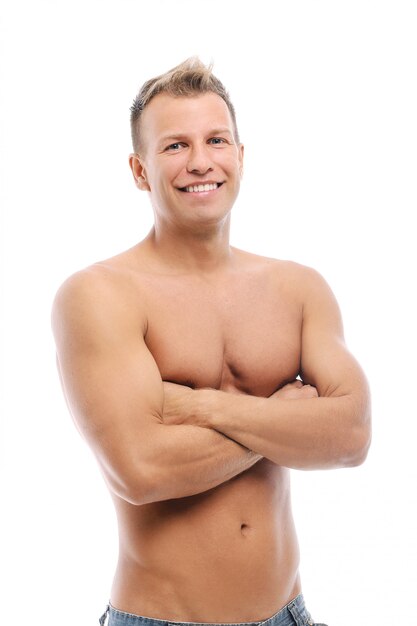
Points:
point(314, 433)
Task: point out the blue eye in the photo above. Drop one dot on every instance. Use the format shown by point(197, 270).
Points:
point(174, 146)
point(217, 140)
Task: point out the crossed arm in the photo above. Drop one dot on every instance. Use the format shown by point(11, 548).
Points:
point(156, 441)
point(324, 423)
point(114, 392)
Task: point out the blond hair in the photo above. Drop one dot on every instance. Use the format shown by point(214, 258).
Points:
point(189, 78)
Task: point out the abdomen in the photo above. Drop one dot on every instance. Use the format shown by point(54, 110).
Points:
point(228, 554)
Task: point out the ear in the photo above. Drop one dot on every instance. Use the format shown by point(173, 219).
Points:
point(241, 149)
point(138, 172)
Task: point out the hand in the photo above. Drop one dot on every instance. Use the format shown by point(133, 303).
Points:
point(296, 390)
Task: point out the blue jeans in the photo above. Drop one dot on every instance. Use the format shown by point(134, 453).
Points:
point(294, 614)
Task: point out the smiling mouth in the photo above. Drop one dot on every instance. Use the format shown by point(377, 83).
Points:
point(201, 188)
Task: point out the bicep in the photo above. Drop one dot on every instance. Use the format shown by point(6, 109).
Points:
point(111, 382)
point(326, 362)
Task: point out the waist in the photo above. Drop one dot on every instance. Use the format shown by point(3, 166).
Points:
point(294, 612)
point(227, 587)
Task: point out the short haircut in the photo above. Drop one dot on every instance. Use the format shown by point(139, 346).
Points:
point(190, 78)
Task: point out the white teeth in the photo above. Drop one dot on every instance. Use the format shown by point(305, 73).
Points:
point(199, 188)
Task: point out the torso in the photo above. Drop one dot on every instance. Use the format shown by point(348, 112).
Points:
point(229, 554)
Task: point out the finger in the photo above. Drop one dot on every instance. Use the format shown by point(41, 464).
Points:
point(310, 391)
point(294, 384)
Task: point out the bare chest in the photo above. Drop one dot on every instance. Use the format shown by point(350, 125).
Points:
point(243, 336)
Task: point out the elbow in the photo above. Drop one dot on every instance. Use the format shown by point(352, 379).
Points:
point(357, 444)
point(134, 486)
point(147, 484)
point(142, 488)
point(357, 432)
point(358, 454)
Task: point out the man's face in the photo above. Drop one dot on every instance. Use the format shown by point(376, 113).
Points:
point(190, 161)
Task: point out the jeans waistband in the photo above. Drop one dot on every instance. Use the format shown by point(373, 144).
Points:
point(293, 614)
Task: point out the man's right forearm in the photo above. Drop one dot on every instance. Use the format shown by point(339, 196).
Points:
point(185, 460)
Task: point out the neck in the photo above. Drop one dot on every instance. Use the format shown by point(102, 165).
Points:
point(198, 250)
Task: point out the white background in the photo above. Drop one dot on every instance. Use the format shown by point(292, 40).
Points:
point(325, 94)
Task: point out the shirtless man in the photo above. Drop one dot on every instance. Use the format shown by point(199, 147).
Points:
point(198, 374)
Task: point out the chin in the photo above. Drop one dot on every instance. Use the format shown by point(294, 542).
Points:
point(210, 215)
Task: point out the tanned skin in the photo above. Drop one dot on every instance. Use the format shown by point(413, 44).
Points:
point(199, 374)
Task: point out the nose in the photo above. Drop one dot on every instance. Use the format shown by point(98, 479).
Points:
point(199, 161)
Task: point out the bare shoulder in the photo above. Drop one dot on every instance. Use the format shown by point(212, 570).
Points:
point(99, 296)
point(312, 291)
point(303, 281)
